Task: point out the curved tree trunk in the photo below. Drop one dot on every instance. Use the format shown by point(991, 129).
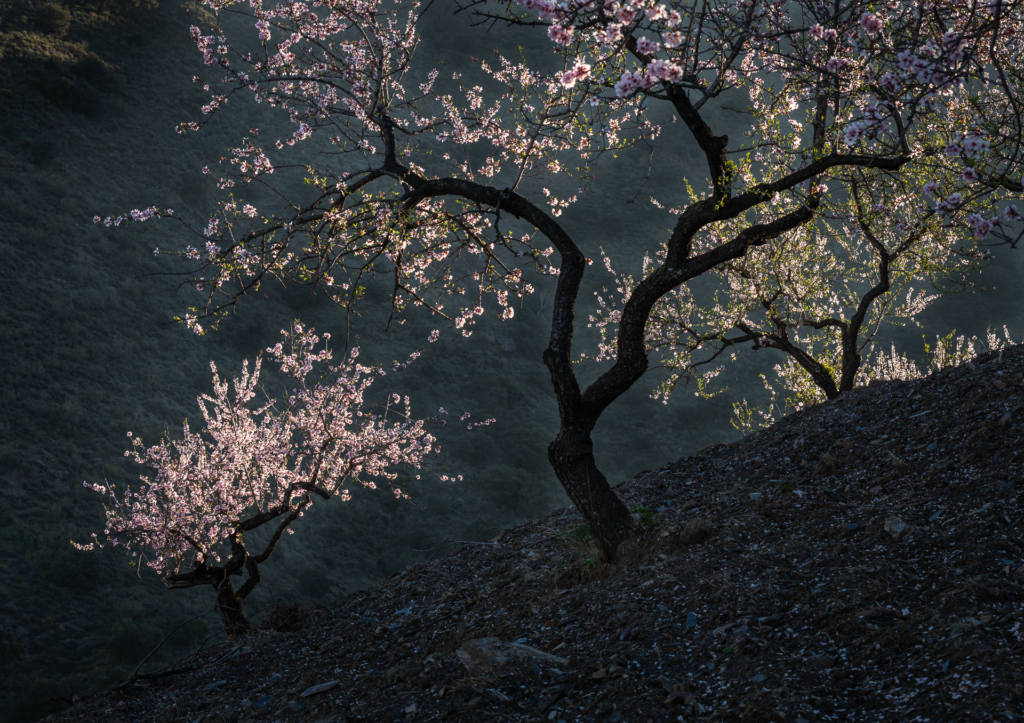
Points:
point(231, 613)
point(572, 456)
point(572, 452)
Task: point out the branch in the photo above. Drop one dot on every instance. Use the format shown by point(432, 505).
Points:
point(632, 361)
point(135, 675)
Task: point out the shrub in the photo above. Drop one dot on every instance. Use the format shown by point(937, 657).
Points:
point(53, 19)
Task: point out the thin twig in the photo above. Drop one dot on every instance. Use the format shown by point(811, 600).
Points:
point(447, 542)
point(135, 674)
point(171, 670)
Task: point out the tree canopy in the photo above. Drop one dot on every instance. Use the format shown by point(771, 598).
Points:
point(883, 148)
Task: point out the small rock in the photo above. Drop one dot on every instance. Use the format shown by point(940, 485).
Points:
point(757, 678)
point(321, 688)
point(821, 661)
point(931, 447)
point(482, 655)
point(600, 675)
point(1006, 486)
point(721, 629)
point(956, 630)
point(691, 618)
point(296, 706)
point(263, 701)
point(214, 686)
point(895, 527)
point(666, 683)
point(827, 465)
point(696, 531)
point(755, 496)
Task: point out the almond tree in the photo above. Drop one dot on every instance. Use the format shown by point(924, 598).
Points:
point(257, 467)
point(422, 172)
point(819, 295)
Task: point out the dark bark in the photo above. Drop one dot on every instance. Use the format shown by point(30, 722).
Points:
point(572, 452)
point(230, 602)
point(572, 456)
point(231, 606)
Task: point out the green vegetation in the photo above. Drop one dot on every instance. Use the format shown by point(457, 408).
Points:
point(585, 539)
point(645, 516)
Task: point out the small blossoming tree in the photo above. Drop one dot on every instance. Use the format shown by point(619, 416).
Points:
point(440, 184)
point(258, 466)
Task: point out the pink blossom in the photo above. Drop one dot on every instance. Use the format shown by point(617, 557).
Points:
point(1010, 213)
point(647, 47)
point(854, 133)
point(870, 23)
point(657, 12)
point(625, 16)
point(836, 65)
point(975, 146)
point(981, 226)
point(628, 83)
point(891, 83)
point(672, 39)
point(561, 35)
point(664, 70)
point(580, 71)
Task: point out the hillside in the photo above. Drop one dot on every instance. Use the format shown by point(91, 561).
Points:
point(860, 560)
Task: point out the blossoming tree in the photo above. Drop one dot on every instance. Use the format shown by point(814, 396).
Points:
point(819, 295)
point(257, 467)
point(439, 184)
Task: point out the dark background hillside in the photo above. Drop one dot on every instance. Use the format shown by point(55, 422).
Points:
point(90, 95)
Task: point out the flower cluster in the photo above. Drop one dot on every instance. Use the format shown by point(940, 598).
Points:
point(252, 459)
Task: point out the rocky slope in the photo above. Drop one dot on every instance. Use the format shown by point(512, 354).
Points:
point(861, 560)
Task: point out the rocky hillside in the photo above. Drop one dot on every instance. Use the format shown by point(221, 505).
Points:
point(861, 560)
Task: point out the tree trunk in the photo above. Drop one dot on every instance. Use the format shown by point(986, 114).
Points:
point(230, 605)
point(572, 456)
